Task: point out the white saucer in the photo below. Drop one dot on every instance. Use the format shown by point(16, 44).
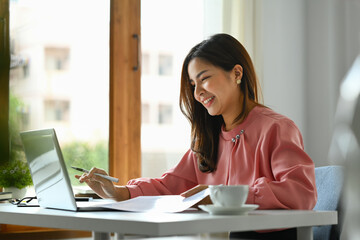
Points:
point(219, 210)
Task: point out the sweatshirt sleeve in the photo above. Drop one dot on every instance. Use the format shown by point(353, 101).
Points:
point(173, 182)
point(292, 184)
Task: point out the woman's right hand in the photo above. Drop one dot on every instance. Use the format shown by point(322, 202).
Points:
point(103, 187)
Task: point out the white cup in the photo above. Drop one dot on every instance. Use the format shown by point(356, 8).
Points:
point(229, 196)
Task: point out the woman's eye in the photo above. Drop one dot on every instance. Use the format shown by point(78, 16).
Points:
point(203, 79)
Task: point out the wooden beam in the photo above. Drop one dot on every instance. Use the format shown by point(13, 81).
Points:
point(125, 95)
point(4, 80)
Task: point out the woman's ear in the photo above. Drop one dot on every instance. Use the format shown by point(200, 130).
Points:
point(238, 72)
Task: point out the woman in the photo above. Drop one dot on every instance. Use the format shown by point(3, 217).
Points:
point(235, 139)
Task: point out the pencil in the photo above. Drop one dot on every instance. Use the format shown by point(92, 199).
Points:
point(97, 174)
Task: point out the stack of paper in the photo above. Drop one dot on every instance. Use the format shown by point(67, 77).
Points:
point(164, 203)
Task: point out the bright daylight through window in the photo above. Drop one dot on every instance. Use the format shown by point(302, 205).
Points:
point(59, 75)
point(167, 36)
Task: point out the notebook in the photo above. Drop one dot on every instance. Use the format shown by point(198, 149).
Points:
point(49, 174)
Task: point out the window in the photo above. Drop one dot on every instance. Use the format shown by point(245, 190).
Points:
point(145, 63)
point(57, 110)
point(56, 59)
point(165, 114)
point(21, 64)
point(165, 132)
point(145, 113)
point(60, 78)
point(165, 64)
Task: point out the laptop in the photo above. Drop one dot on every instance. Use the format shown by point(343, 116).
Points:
point(49, 174)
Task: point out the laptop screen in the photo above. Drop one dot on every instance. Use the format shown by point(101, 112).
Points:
point(50, 177)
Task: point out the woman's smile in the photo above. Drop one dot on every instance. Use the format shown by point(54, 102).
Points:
point(207, 102)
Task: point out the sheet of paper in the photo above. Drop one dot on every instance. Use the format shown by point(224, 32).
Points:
point(164, 203)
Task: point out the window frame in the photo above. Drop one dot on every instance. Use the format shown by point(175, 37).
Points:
point(4, 80)
point(125, 90)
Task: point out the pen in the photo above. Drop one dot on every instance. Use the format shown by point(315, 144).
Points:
point(97, 174)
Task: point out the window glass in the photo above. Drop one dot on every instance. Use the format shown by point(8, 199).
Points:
point(169, 30)
point(56, 59)
point(59, 76)
point(57, 110)
point(145, 65)
point(165, 114)
point(165, 64)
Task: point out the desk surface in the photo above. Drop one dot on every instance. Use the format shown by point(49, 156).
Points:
point(164, 224)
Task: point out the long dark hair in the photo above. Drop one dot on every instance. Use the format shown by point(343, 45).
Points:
point(224, 51)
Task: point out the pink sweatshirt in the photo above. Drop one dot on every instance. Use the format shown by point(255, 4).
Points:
point(265, 152)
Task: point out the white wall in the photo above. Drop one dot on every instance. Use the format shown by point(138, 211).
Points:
point(308, 47)
point(284, 58)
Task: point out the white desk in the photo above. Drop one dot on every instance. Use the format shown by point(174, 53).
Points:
point(150, 224)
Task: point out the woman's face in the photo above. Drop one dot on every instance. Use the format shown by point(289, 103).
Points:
point(216, 89)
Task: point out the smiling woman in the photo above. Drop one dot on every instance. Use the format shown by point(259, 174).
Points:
point(230, 90)
point(264, 150)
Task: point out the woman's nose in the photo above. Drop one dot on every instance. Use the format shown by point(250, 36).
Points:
point(198, 91)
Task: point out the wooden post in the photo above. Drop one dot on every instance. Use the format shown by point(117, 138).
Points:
point(125, 95)
point(4, 81)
